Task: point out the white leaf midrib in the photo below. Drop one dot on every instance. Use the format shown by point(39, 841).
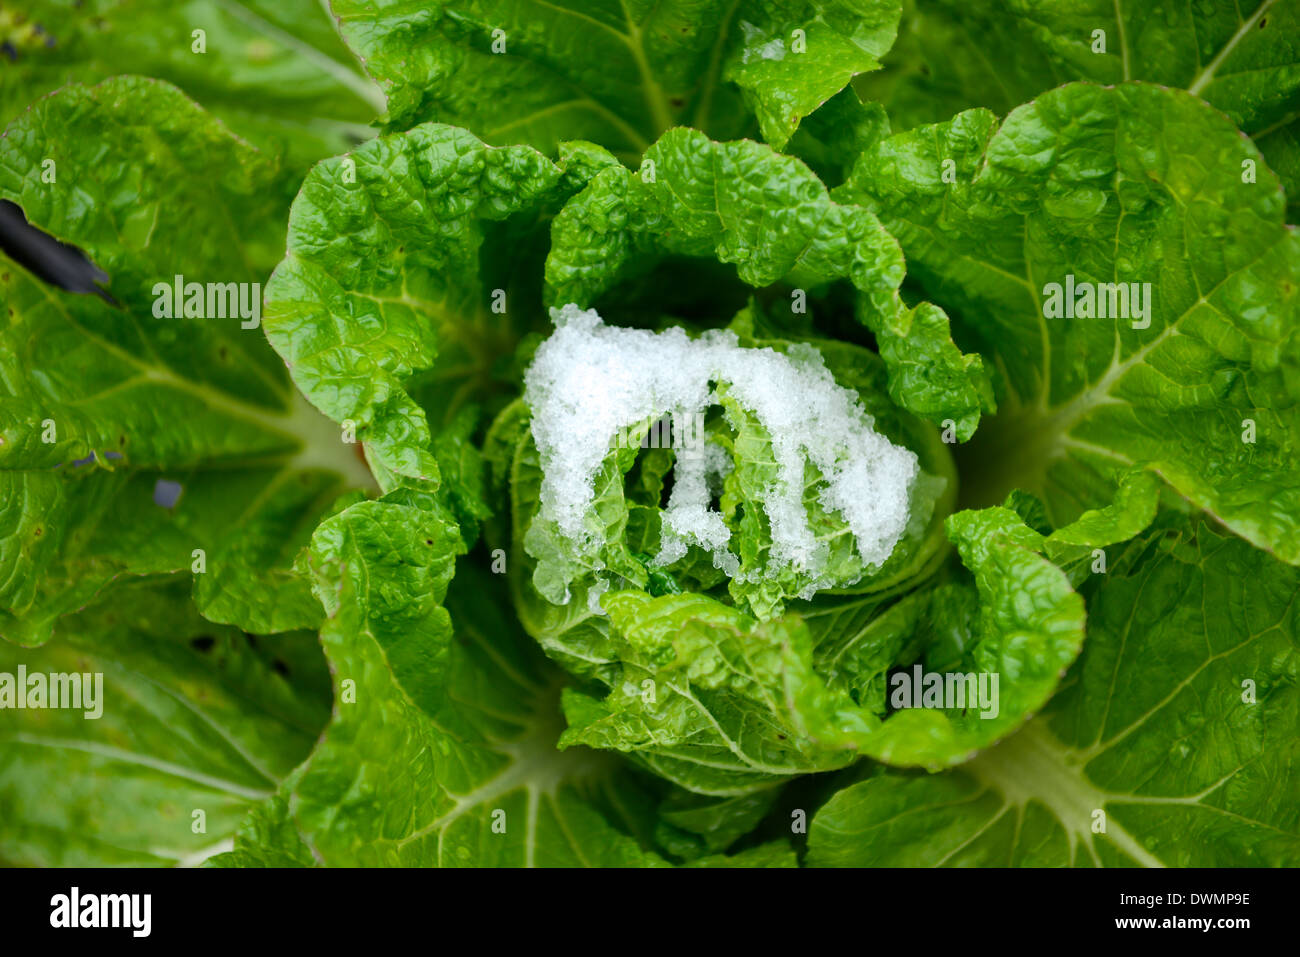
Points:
point(1034, 766)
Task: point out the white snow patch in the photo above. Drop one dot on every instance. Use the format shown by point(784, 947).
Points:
point(588, 381)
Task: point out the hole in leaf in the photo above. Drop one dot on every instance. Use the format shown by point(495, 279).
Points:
point(166, 493)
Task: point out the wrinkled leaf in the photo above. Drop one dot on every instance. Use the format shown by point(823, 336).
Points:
point(768, 215)
point(103, 402)
point(956, 54)
point(382, 294)
point(456, 700)
point(1177, 729)
point(1131, 184)
point(616, 72)
point(275, 71)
